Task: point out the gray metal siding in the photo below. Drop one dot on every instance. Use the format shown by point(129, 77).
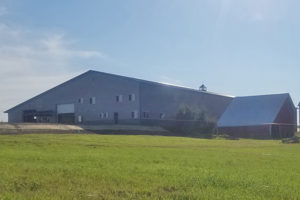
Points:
point(104, 88)
point(150, 97)
point(15, 116)
point(157, 99)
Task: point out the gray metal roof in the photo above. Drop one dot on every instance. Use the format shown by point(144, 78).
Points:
point(252, 110)
point(161, 84)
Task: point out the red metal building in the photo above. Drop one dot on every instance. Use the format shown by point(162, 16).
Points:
point(265, 116)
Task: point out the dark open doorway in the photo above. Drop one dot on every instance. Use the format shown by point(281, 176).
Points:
point(68, 118)
point(29, 116)
point(116, 117)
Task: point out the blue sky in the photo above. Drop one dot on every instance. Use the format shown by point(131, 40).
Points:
point(235, 47)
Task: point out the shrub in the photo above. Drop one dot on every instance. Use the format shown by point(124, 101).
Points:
point(192, 122)
point(291, 140)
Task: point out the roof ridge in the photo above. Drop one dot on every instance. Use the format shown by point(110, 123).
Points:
point(261, 95)
point(159, 83)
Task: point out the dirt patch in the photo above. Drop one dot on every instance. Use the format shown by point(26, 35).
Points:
point(23, 128)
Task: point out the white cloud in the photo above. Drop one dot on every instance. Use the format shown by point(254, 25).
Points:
point(55, 45)
point(33, 62)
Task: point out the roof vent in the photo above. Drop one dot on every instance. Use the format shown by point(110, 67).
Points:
point(203, 88)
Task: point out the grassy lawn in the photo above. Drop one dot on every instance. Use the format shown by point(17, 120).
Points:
point(146, 167)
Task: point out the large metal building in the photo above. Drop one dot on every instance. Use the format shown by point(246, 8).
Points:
point(102, 98)
point(265, 116)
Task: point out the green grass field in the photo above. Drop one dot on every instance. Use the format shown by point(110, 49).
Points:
point(73, 166)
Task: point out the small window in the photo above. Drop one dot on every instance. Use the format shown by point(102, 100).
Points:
point(93, 100)
point(80, 100)
point(131, 97)
point(134, 114)
point(79, 118)
point(104, 115)
point(162, 115)
point(145, 115)
point(101, 115)
point(119, 98)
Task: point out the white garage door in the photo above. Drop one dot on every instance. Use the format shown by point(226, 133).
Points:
point(65, 108)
